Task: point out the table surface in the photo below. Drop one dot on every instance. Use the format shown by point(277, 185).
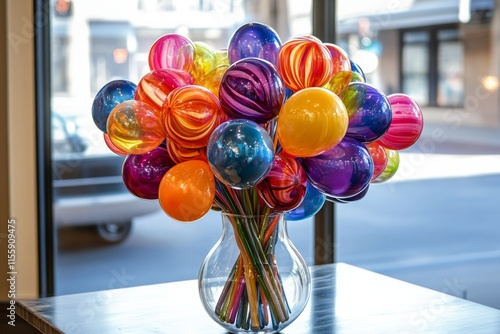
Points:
point(344, 299)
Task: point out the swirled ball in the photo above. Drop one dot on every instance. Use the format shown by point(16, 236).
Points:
point(191, 113)
point(391, 168)
point(134, 128)
point(284, 188)
point(171, 51)
point(369, 112)
point(304, 62)
point(251, 89)
point(407, 123)
point(154, 87)
point(254, 40)
point(178, 153)
point(204, 61)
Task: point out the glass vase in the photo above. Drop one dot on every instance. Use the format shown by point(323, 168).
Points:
point(254, 280)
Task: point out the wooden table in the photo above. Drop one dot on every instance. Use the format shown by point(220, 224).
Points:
point(345, 299)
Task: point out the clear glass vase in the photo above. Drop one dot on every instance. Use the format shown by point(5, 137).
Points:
point(254, 280)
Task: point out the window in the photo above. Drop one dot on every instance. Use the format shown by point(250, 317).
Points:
point(432, 66)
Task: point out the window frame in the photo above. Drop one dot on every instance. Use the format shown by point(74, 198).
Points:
point(433, 66)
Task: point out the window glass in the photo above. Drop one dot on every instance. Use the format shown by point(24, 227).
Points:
point(434, 223)
point(416, 72)
point(450, 74)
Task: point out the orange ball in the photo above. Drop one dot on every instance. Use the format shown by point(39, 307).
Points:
point(187, 191)
point(134, 128)
point(191, 114)
point(311, 121)
point(304, 62)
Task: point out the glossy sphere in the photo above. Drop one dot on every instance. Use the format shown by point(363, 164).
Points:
point(240, 153)
point(340, 59)
point(251, 89)
point(112, 146)
point(254, 40)
point(341, 80)
point(135, 128)
point(142, 173)
point(213, 79)
point(311, 121)
point(187, 190)
point(379, 156)
point(171, 51)
point(221, 58)
point(108, 97)
point(391, 168)
point(179, 153)
point(204, 61)
point(407, 123)
point(304, 62)
point(154, 87)
point(343, 171)
point(191, 113)
point(312, 203)
point(358, 70)
point(284, 188)
point(369, 112)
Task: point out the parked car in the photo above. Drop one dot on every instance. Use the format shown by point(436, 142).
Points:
point(87, 183)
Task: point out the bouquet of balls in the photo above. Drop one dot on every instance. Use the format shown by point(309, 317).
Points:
point(258, 128)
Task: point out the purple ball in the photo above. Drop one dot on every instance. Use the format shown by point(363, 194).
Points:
point(142, 173)
point(369, 110)
point(343, 171)
point(251, 89)
point(254, 40)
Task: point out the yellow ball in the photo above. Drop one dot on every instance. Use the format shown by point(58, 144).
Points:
point(312, 121)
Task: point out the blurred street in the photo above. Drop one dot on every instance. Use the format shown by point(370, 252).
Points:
point(436, 225)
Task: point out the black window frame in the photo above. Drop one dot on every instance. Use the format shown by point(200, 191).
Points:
point(433, 66)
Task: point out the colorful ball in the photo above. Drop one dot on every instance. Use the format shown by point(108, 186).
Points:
point(407, 123)
point(154, 87)
point(142, 173)
point(191, 113)
point(213, 79)
point(391, 168)
point(304, 62)
point(312, 203)
point(187, 191)
point(112, 146)
point(251, 89)
point(179, 153)
point(369, 112)
point(204, 61)
point(284, 188)
point(343, 171)
point(134, 128)
point(171, 51)
point(108, 97)
point(240, 153)
point(311, 121)
point(254, 40)
point(379, 156)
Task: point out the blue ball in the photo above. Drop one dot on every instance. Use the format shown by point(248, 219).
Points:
point(112, 94)
point(240, 153)
point(312, 203)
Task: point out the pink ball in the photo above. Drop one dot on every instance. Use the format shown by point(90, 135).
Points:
point(171, 51)
point(406, 125)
